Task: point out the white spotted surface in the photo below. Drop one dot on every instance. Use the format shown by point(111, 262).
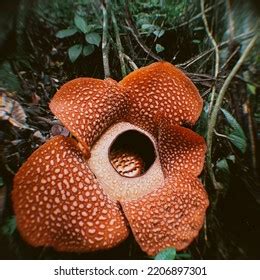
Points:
point(59, 203)
point(161, 91)
point(170, 216)
point(180, 149)
point(88, 106)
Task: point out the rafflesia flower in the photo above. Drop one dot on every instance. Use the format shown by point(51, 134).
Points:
point(130, 165)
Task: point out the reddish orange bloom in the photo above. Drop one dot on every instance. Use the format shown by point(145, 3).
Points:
point(131, 164)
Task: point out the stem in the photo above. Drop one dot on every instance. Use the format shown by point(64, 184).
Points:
point(105, 43)
point(213, 42)
point(221, 135)
point(119, 44)
point(130, 61)
point(247, 110)
point(213, 117)
point(230, 57)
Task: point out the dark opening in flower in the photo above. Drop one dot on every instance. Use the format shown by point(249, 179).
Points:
point(132, 153)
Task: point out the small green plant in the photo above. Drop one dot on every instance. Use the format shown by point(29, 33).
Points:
point(155, 30)
point(171, 254)
point(236, 134)
point(9, 226)
point(89, 37)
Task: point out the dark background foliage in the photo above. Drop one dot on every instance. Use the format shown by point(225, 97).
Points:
point(43, 44)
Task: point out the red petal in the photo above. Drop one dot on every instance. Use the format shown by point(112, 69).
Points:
point(161, 91)
point(88, 106)
point(170, 216)
point(180, 149)
point(59, 203)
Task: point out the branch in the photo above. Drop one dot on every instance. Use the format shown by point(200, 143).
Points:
point(230, 57)
point(252, 138)
point(130, 61)
point(119, 44)
point(215, 46)
point(105, 43)
point(213, 117)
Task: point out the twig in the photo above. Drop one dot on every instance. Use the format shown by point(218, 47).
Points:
point(136, 35)
point(205, 93)
point(230, 57)
point(197, 78)
point(105, 43)
point(215, 45)
point(204, 62)
point(213, 117)
point(8, 168)
point(247, 110)
point(119, 44)
point(196, 17)
point(220, 134)
point(123, 55)
point(186, 64)
point(130, 61)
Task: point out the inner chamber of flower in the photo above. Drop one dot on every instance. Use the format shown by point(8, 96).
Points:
point(126, 162)
point(132, 153)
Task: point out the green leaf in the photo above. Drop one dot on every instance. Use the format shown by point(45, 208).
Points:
point(9, 226)
point(222, 166)
point(166, 254)
point(251, 89)
point(66, 33)
point(148, 27)
point(198, 28)
point(158, 33)
point(237, 136)
point(232, 121)
point(231, 158)
point(202, 123)
point(159, 48)
point(183, 256)
point(74, 52)
point(93, 38)
point(238, 141)
point(87, 50)
point(196, 41)
point(81, 24)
